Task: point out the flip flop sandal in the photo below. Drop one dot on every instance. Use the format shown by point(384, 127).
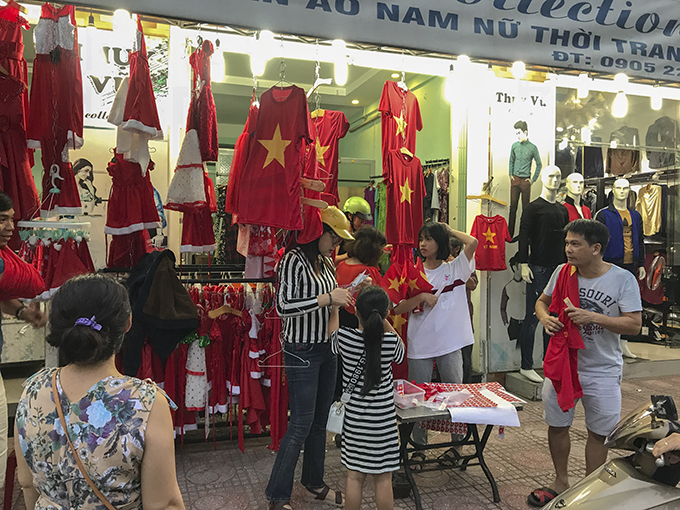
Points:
point(416, 461)
point(541, 497)
point(320, 496)
point(450, 458)
point(280, 505)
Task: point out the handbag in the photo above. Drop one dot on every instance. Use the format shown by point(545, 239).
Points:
point(336, 414)
point(89, 481)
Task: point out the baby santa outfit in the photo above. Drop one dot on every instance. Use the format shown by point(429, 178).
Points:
point(55, 122)
point(202, 113)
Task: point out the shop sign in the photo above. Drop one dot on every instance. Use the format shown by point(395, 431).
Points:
point(640, 38)
point(104, 65)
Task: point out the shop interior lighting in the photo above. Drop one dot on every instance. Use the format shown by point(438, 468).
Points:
point(355, 101)
point(564, 143)
point(584, 89)
point(620, 105)
point(395, 75)
point(340, 64)
point(586, 135)
point(262, 50)
point(450, 85)
point(519, 70)
point(657, 98)
point(33, 12)
point(614, 144)
point(217, 69)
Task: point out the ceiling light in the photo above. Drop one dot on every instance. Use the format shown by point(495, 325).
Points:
point(586, 135)
point(340, 65)
point(395, 75)
point(355, 101)
point(657, 98)
point(33, 13)
point(621, 79)
point(583, 86)
point(560, 129)
point(262, 51)
point(563, 144)
point(519, 70)
point(620, 105)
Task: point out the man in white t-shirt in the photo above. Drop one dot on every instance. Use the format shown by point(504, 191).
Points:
point(610, 306)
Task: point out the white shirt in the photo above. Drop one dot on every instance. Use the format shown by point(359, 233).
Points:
point(446, 327)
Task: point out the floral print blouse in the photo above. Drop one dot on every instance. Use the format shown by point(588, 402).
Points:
point(107, 428)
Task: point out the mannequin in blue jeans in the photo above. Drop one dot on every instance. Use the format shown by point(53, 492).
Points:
point(307, 289)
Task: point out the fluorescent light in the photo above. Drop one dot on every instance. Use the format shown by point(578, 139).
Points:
point(657, 98)
point(584, 87)
point(262, 50)
point(620, 105)
point(395, 75)
point(355, 101)
point(217, 66)
point(519, 70)
point(340, 65)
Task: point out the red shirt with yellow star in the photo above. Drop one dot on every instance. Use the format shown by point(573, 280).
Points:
point(328, 127)
point(403, 178)
point(492, 234)
point(269, 192)
point(400, 118)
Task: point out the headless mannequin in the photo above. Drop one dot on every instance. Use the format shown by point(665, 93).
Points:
point(620, 192)
point(551, 177)
point(575, 190)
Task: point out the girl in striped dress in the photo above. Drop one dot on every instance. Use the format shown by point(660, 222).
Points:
point(370, 443)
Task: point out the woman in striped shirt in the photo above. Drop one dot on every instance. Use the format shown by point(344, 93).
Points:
point(307, 289)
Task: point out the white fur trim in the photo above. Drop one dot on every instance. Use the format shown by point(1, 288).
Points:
point(187, 248)
point(118, 107)
point(132, 228)
point(255, 375)
point(266, 382)
point(135, 125)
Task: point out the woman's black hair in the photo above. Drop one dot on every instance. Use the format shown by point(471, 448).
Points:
point(91, 297)
point(313, 255)
point(372, 304)
point(6, 202)
point(436, 232)
point(367, 246)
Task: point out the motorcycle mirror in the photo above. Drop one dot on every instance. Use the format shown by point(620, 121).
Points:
point(664, 407)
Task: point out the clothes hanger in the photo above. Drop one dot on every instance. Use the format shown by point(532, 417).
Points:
point(213, 314)
point(402, 83)
point(21, 8)
point(406, 152)
point(282, 75)
point(3, 71)
point(305, 362)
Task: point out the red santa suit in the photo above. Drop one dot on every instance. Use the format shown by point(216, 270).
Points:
point(202, 113)
point(15, 163)
point(187, 191)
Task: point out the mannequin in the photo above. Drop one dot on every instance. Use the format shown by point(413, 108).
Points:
point(573, 201)
point(522, 154)
point(626, 247)
point(541, 233)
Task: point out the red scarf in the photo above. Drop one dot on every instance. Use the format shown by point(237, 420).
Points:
point(561, 359)
point(20, 280)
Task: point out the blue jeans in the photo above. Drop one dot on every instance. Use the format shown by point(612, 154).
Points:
point(527, 333)
point(311, 393)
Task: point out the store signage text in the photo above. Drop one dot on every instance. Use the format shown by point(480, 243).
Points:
point(639, 37)
point(504, 97)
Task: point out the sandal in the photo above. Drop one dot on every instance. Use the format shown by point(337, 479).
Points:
point(416, 461)
point(541, 497)
point(280, 505)
point(450, 458)
point(320, 496)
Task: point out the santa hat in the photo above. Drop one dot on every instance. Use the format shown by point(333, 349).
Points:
point(187, 191)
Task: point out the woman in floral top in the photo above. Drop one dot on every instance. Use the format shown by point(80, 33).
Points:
point(123, 440)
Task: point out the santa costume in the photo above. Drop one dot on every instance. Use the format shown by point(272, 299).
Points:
point(202, 113)
point(186, 192)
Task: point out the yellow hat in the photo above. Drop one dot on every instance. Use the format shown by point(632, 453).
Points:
point(336, 219)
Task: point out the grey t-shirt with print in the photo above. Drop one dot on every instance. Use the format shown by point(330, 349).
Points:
point(612, 294)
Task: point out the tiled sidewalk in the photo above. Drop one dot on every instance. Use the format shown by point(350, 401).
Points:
point(226, 479)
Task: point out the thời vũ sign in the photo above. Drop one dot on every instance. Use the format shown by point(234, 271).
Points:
point(638, 37)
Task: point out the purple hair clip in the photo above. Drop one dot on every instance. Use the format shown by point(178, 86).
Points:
point(89, 322)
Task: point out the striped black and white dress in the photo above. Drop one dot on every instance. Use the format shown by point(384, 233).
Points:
point(370, 443)
point(304, 321)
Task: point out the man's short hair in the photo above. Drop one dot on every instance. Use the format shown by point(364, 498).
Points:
point(454, 243)
point(6, 202)
point(521, 125)
point(592, 231)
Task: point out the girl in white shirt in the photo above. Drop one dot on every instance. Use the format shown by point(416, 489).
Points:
point(443, 327)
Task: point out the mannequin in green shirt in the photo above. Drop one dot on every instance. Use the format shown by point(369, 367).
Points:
point(522, 154)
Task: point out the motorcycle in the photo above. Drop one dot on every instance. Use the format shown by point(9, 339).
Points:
point(639, 481)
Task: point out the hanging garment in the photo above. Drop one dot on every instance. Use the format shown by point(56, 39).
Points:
point(649, 205)
point(311, 216)
point(65, 264)
point(198, 235)
point(60, 193)
point(369, 196)
point(241, 151)
point(202, 113)
point(589, 162)
point(400, 119)
point(197, 380)
point(15, 161)
point(56, 105)
point(226, 233)
point(492, 234)
point(574, 213)
point(131, 204)
point(443, 183)
point(269, 190)
point(134, 108)
point(127, 250)
point(622, 161)
point(403, 177)
point(328, 127)
point(664, 134)
point(187, 191)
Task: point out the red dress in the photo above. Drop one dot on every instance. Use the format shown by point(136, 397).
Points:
point(400, 119)
point(269, 190)
point(492, 234)
point(131, 203)
point(328, 127)
point(125, 251)
point(198, 235)
point(56, 107)
point(311, 216)
point(15, 163)
point(202, 114)
point(186, 192)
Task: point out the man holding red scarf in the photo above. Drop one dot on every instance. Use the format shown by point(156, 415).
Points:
point(604, 305)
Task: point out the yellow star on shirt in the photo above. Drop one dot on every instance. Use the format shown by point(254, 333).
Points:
point(320, 152)
point(395, 284)
point(489, 235)
point(276, 148)
point(412, 284)
point(401, 125)
point(397, 322)
point(406, 192)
